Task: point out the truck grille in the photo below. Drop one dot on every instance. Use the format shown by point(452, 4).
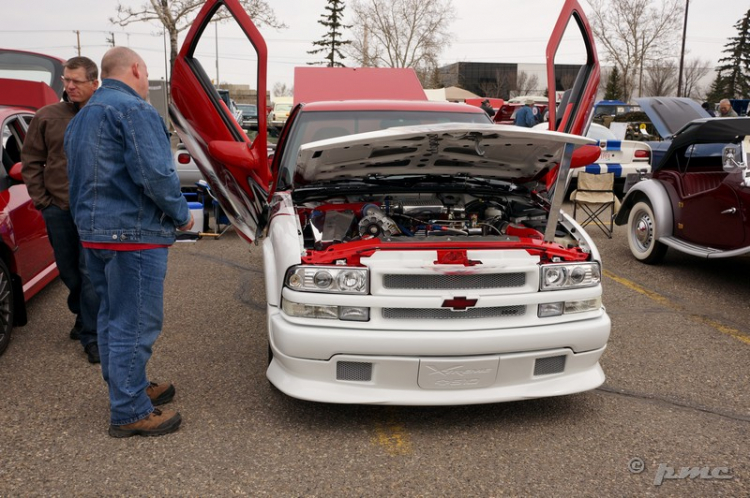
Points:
point(447, 314)
point(448, 282)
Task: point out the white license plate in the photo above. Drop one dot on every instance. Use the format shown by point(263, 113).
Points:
point(457, 373)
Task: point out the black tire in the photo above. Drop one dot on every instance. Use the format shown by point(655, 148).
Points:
point(6, 306)
point(642, 234)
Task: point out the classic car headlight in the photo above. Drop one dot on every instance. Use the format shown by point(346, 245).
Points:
point(333, 279)
point(561, 276)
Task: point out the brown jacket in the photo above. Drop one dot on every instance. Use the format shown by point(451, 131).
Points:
point(45, 167)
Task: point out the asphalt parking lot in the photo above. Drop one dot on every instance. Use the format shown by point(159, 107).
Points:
point(676, 397)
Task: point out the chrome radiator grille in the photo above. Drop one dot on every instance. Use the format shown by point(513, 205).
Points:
point(448, 282)
point(447, 314)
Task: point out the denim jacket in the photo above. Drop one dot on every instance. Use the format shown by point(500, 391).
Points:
point(123, 185)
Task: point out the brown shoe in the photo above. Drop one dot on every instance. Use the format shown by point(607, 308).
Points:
point(160, 394)
point(157, 423)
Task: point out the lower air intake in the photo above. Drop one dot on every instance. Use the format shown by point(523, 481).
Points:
point(355, 371)
point(551, 365)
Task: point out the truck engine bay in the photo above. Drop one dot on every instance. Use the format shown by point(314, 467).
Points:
point(426, 217)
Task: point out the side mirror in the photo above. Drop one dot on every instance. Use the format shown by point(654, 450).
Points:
point(585, 155)
point(15, 172)
point(237, 156)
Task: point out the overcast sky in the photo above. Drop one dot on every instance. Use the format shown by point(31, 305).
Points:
point(484, 31)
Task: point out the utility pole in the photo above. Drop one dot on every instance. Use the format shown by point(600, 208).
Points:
point(216, 43)
point(78, 42)
point(682, 53)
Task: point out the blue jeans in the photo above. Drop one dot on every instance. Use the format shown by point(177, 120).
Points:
point(82, 299)
point(130, 285)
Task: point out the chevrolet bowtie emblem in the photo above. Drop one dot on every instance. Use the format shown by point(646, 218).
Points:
point(459, 303)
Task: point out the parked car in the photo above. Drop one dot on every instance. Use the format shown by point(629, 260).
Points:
point(249, 116)
point(656, 120)
point(235, 111)
point(186, 168)
point(606, 110)
point(507, 112)
point(694, 201)
point(414, 252)
point(27, 263)
point(280, 113)
point(621, 157)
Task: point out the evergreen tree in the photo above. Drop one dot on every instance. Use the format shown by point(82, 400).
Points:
point(718, 89)
point(734, 69)
point(614, 86)
point(332, 41)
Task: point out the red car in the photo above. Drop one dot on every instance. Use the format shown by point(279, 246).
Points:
point(27, 262)
point(507, 112)
point(697, 200)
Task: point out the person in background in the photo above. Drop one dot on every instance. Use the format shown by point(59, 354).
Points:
point(126, 201)
point(725, 109)
point(45, 173)
point(487, 107)
point(709, 109)
point(525, 115)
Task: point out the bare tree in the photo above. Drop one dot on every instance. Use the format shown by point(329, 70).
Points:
point(635, 33)
point(693, 72)
point(400, 33)
point(500, 87)
point(526, 84)
point(660, 79)
point(281, 90)
point(176, 16)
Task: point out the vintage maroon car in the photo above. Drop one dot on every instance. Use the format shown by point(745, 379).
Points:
point(697, 199)
point(27, 262)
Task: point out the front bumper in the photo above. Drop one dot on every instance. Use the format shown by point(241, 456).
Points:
point(444, 368)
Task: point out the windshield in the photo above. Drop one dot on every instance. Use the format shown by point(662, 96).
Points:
point(314, 126)
point(248, 109)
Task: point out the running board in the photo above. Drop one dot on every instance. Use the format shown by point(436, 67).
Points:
point(702, 251)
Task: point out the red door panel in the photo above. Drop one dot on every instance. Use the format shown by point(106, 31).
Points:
point(239, 179)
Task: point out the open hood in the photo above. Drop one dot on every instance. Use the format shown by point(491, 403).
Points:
point(501, 152)
point(670, 114)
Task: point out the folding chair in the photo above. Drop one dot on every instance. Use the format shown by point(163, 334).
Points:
point(596, 198)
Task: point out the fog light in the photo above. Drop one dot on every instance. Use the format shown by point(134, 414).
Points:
point(354, 313)
point(310, 310)
point(550, 309)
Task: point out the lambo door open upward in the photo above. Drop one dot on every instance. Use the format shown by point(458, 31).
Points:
point(223, 45)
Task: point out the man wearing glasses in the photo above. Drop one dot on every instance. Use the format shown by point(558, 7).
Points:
point(45, 172)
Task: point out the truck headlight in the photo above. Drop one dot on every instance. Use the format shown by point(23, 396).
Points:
point(330, 279)
point(561, 276)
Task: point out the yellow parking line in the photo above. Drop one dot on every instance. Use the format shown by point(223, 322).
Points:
point(392, 437)
point(724, 329)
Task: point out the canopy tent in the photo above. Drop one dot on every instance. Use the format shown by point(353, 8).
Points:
point(450, 94)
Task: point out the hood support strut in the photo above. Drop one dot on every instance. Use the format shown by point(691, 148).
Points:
point(558, 194)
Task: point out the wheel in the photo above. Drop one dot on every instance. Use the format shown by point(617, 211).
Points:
point(642, 234)
point(6, 306)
